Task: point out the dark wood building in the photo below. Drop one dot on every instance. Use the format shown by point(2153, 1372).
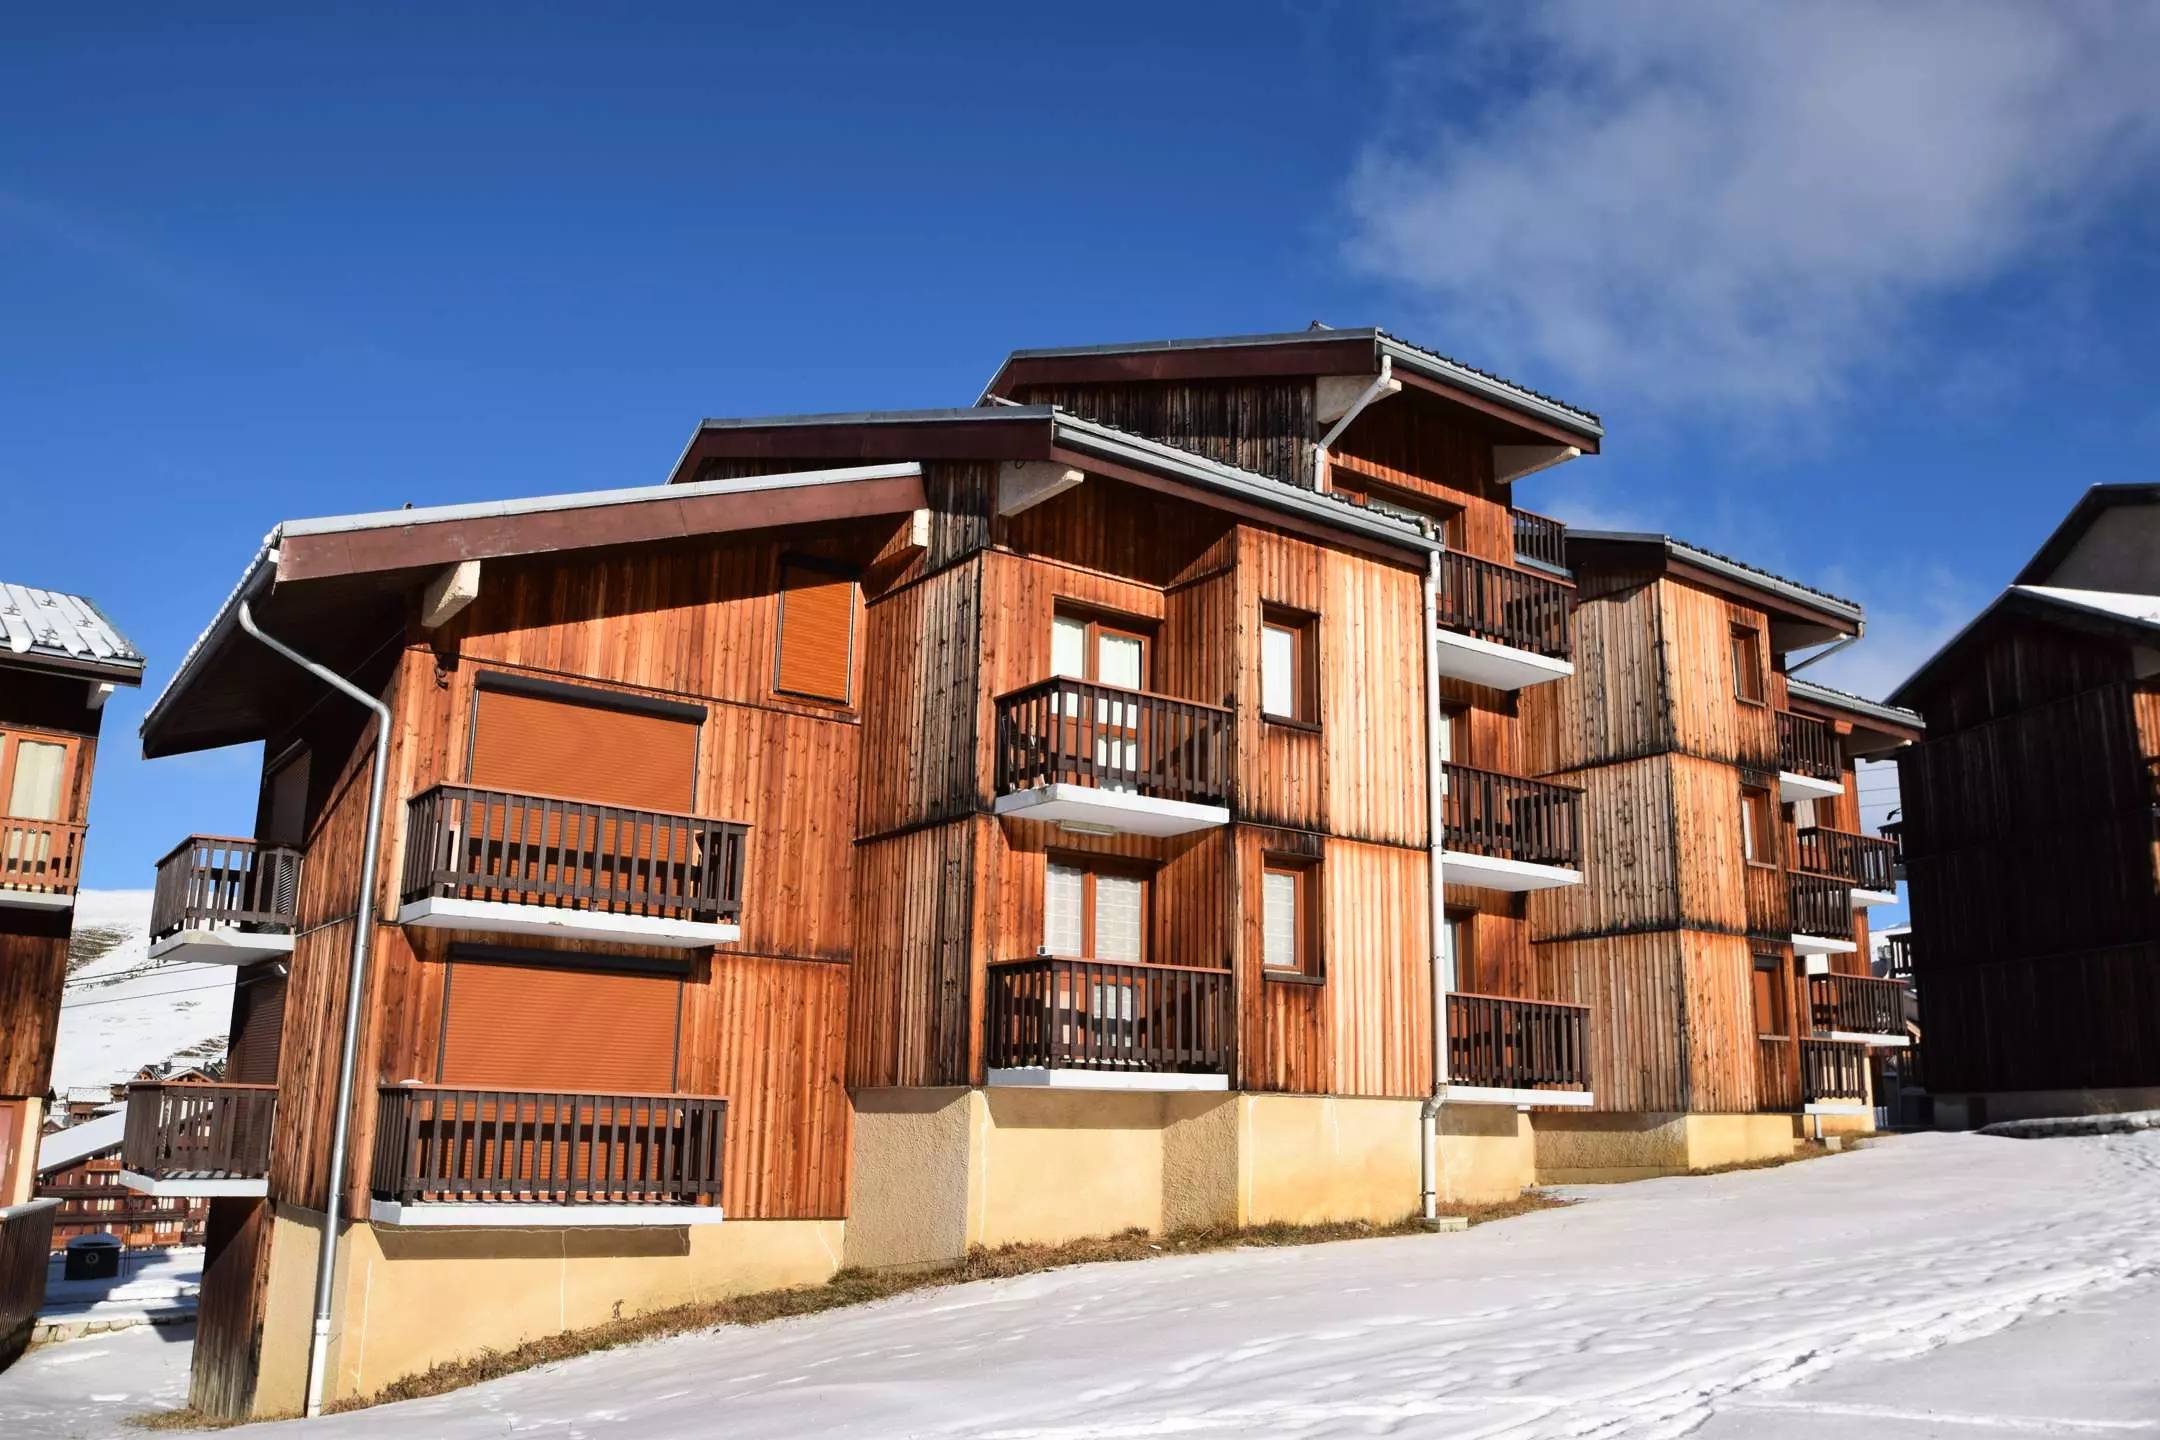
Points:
point(2029, 830)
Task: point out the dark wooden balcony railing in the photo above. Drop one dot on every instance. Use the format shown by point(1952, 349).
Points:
point(1807, 746)
point(439, 1145)
point(1777, 1084)
point(1061, 1014)
point(25, 1247)
point(1512, 818)
point(1517, 1044)
point(212, 880)
point(1540, 539)
point(1856, 1004)
point(471, 844)
point(1820, 906)
point(40, 855)
point(198, 1132)
point(1075, 732)
point(1833, 1072)
point(1506, 606)
point(1898, 950)
point(1894, 832)
point(1860, 860)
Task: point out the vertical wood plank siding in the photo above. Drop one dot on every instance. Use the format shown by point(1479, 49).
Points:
point(1261, 425)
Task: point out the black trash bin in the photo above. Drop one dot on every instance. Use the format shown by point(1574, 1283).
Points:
point(92, 1257)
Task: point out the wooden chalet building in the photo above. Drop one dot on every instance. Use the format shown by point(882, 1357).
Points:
point(1721, 937)
point(60, 658)
point(2031, 831)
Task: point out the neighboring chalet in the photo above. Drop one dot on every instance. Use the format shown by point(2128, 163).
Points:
point(904, 831)
point(80, 1167)
point(1721, 937)
point(60, 658)
point(2031, 831)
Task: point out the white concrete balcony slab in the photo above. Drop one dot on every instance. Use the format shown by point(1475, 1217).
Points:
point(1492, 872)
point(1520, 1099)
point(1792, 785)
point(1123, 812)
point(496, 917)
point(220, 947)
point(1502, 667)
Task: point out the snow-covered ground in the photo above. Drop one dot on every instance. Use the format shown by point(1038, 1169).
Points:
point(123, 1010)
point(1929, 1285)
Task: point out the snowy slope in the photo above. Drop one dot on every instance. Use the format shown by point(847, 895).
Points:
point(122, 1010)
point(1648, 1310)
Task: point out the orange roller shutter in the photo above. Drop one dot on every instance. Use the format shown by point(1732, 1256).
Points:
point(817, 633)
point(536, 745)
point(556, 1027)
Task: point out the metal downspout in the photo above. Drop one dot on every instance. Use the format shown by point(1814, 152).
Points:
point(1823, 654)
point(1435, 802)
point(363, 935)
point(1384, 383)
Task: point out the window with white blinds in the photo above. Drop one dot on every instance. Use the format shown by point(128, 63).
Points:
point(1120, 905)
point(1094, 914)
point(1281, 892)
point(1064, 894)
point(40, 770)
point(1278, 670)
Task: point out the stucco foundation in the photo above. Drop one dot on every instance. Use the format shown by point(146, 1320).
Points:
point(938, 1171)
point(411, 1299)
point(1591, 1147)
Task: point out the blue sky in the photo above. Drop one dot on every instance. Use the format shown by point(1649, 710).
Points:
point(1864, 295)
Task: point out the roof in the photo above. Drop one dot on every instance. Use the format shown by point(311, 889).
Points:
point(1877, 729)
point(1845, 700)
point(2095, 502)
point(81, 1142)
point(1038, 432)
point(397, 547)
point(1751, 577)
point(1312, 352)
point(57, 631)
point(2133, 618)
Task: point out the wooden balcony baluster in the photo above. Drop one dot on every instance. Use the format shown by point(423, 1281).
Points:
point(1510, 1044)
point(1057, 1013)
point(436, 1144)
point(1075, 732)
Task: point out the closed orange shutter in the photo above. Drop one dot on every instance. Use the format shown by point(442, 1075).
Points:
point(508, 1026)
point(817, 634)
point(539, 745)
point(251, 1058)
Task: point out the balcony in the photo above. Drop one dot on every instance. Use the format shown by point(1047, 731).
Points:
point(1865, 863)
point(1093, 757)
point(1503, 832)
point(1500, 626)
point(1809, 766)
point(1503, 1051)
point(1897, 956)
point(453, 1157)
point(197, 1139)
point(507, 864)
point(221, 901)
point(1834, 1078)
point(40, 863)
point(1858, 1008)
point(1539, 540)
point(1100, 1025)
point(1820, 915)
point(1894, 832)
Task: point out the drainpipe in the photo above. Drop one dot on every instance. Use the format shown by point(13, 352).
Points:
point(1442, 981)
point(1823, 654)
point(1384, 383)
point(356, 975)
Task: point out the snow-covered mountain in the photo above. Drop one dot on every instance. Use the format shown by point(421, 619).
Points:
point(123, 1010)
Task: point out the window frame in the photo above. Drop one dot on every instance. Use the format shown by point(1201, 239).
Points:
point(1091, 866)
point(12, 738)
point(1303, 628)
point(831, 570)
point(1310, 968)
point(1756, 805)
point(1458, 922)
point(1100, 623)
point(1751, 684)
point(1779, 989)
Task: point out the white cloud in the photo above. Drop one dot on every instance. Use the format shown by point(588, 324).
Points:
point(1746, 204)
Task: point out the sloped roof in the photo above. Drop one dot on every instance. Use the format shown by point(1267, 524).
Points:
point(1752, 576)
point(81, 1142)
point(2094, 503)
point(55, 630)
point(2131, 617)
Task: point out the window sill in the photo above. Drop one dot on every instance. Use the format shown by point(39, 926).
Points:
point(1757, 704)
point(1309, 727)
point(1291, 977)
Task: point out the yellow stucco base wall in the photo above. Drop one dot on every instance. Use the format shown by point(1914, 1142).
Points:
point(1588, 1148)
point(938, 1171)
point(414, 1298)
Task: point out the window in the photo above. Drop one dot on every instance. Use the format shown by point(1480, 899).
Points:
point(1400, 502)
point(1288, 921)
point(1454, 733)
point(1103, 651)
point(1770, 997)
point(1758, 830)
point(1461, 950)
point(1747, 664)
point(816, 658)
point(534, 737)
point(540, 1020)
point(1289, 668)
point(36, 776)
point(1095, 911)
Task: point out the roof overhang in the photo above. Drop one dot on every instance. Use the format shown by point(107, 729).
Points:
point(2034, 602)
point(341, 587)
point(1304, 353)
point(2094, 503)
point(1799, 616)
point(1876, 729)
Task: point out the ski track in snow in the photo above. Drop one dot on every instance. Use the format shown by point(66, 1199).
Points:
point(1640, 1312)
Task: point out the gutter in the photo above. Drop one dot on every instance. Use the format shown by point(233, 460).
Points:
point(1383, 383)
point(355, 999)
point(258, 573)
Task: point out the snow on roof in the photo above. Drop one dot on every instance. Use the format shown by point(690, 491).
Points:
point(49, 625)
point(2145, 609)
point(77, 1143)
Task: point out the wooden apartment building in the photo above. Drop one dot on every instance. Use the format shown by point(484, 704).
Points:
point(60, 658)
point(2031, 830)
point(906, 831)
